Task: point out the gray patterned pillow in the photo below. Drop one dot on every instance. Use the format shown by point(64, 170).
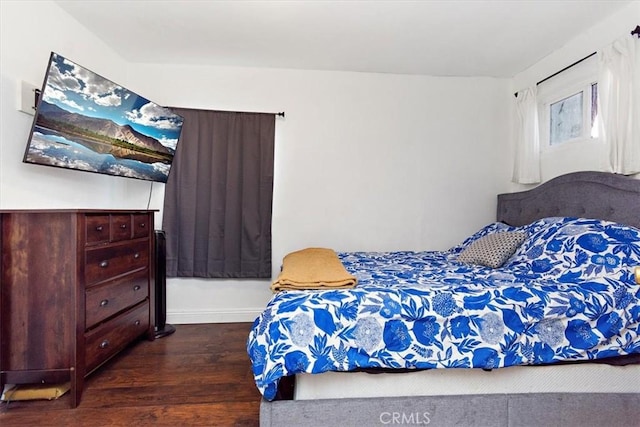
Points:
point(493, 249)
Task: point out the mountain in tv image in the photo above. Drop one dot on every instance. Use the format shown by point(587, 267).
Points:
point(103, 135)
point(74, 141)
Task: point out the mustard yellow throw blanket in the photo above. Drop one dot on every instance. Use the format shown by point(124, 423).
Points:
point(313, 268)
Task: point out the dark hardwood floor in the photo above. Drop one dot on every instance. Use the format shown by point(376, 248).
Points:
point(200, 375)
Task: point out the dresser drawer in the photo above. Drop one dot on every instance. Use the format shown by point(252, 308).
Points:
point(102, 302)
point(120, 227)
point(140, 225)
point(103, 263)
point(114, 335)
point(97, 228)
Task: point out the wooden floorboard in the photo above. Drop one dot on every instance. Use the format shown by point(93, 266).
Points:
point(198, 376)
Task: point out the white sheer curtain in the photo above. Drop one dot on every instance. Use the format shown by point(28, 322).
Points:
point(526, 169)
point(619, 103)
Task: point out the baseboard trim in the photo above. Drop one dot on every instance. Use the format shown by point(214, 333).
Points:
point(212, 316)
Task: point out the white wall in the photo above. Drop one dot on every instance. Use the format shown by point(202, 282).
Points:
point(363, 161)
point(590, 156)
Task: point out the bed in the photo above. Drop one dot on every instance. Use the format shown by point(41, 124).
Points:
point(540, 307)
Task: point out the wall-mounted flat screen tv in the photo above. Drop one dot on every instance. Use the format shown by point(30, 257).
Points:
point(86, 122)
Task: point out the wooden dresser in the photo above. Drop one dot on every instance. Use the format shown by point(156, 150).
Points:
point(76, 287)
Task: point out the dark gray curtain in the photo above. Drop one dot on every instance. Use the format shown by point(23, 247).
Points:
point(218, 199)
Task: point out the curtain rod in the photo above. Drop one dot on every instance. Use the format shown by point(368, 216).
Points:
point(564, 69)
point(279, 114)
point(635, 32)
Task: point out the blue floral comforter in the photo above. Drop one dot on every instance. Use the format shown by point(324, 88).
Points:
point(567, 293)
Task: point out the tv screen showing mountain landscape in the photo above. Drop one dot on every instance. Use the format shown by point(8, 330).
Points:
point(86, 122)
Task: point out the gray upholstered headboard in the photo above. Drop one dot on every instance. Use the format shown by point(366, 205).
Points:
point(598, 195)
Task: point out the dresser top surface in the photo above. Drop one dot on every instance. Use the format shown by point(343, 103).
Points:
point(105, 211)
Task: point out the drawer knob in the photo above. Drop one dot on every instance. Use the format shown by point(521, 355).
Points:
point(136, 255)
point(104, 264)
point(104, 344)
point(123, 226)
point(104, 303)
point(136, 288)
point(99, 228)
point(143, 225)
point(137, 323)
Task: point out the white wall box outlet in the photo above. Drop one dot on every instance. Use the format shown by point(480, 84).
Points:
point(28, 98)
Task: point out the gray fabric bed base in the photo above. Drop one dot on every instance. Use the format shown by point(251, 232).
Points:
point(517, 410)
